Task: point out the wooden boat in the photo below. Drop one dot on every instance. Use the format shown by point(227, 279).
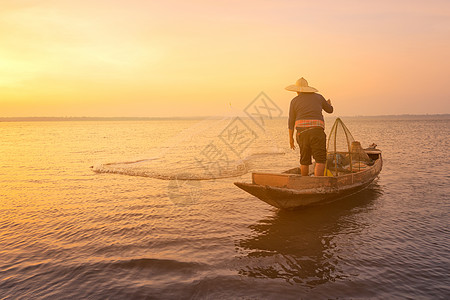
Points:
point(290, 190)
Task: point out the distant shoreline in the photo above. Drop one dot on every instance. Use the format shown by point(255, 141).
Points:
point(65, 119)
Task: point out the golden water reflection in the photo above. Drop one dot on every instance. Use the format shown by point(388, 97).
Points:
point(307, 246)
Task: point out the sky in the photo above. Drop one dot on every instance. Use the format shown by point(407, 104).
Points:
point(111, 58)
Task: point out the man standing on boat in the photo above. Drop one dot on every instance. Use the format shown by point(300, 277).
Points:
point(305, 114)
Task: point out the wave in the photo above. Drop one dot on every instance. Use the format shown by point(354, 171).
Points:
point(164, 265)
point(67, 279)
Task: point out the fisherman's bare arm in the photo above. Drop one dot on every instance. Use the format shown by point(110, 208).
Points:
point(291, 139)
point(327, 106)
point(291, 125)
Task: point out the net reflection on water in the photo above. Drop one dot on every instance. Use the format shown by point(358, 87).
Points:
point(303, 246)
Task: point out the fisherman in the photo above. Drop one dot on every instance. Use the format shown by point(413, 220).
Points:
point(305, 114)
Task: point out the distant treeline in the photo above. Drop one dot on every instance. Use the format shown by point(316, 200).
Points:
point(60, 119)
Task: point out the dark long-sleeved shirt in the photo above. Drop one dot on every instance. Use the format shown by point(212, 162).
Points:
point(307, 106)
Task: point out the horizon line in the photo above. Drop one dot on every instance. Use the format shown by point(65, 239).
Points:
point(85, 118)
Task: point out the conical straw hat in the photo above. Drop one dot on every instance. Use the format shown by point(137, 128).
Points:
point(301, 86)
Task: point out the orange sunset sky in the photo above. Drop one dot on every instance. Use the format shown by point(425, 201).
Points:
point(194, 58)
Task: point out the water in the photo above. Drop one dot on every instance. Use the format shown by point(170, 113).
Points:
point(146, 229)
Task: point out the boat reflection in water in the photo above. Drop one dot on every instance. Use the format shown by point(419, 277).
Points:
point(307, 246)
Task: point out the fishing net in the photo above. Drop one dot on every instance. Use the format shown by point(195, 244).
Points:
point(344, 154)
point(201, 150)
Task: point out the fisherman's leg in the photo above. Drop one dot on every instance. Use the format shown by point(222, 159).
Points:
point(305, 155)
point(319, 169)
point(304, 170)
point(319, 150)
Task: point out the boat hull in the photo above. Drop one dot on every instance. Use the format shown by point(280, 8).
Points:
point(291, 191)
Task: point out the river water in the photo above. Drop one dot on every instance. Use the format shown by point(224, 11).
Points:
point(158, 217)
